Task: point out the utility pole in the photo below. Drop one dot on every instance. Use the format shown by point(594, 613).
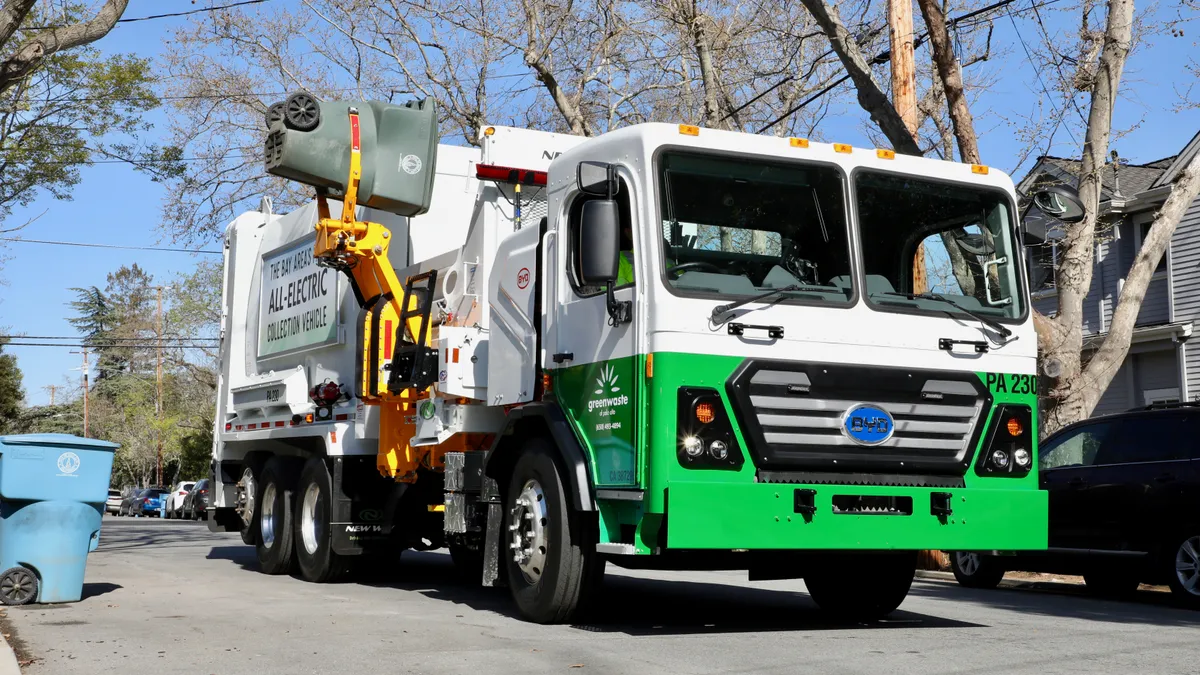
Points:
point(158, 406)
point(51, 387)
point(904, 98)
point(85, 391)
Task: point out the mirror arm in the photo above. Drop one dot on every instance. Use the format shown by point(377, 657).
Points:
point(619, 312)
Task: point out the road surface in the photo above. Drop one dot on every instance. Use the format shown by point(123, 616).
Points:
point(169, 596)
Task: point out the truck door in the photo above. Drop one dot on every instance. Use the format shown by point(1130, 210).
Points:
point(596, 371)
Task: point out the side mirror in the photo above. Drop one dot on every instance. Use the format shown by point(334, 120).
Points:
point(1060, 202)
point(599, 242)
point(596, 178)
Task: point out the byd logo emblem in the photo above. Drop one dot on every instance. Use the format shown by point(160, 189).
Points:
point(867, 424)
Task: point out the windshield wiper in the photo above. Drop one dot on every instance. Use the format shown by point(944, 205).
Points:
point(990, 323)
point(723, 309)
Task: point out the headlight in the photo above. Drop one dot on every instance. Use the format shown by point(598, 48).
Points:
point(1008, 444)
point(705, 434)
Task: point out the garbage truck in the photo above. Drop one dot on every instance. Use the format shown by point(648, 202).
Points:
point(665, 347)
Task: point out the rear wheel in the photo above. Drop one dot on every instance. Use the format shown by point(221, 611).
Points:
point(975, 570)
point(247, 489)
point(314, 536)
point(862, 587)
point(1184, 572)
point(274, 549)
point(553, 569)
point(18, 586)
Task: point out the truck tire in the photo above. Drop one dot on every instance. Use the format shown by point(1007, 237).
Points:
point(975, 570)
point(552, 566)
point(861, 587)
point(313, 536)
point(249, 515)
point(276, 554)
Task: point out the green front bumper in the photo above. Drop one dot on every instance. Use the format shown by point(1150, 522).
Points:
point(712, 515)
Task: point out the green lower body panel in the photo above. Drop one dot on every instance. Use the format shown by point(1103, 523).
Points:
point(763, 516)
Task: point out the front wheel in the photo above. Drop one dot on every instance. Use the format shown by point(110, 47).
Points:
point(274, 549)
point(551, 560)
point(18, 586)
point(861, 587)
point(1184, 571)
point(314, 536)
point(975, 570)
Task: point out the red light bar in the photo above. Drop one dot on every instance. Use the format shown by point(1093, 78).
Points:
point(504, 174)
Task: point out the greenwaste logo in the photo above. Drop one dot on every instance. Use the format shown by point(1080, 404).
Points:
point(607, 383)
point(607, 380)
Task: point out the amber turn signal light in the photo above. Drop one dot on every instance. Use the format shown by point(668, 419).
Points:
point(1014, 427)
point(705, 413)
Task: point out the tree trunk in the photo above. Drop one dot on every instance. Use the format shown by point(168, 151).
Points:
point(1111, 354)
point(1073, 398)
point(951, 77)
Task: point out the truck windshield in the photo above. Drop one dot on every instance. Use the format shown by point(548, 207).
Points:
point(921, 236)
point(733, 227)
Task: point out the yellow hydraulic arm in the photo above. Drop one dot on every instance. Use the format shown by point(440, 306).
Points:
point(360, 249)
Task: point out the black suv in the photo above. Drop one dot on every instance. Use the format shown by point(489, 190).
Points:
point(1124, 506)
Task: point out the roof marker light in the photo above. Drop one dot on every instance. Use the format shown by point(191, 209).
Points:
point(798, 142)
point(843, 148)
point(885, 154)
point(689, 130)
point(979, 169)
point(505, 174)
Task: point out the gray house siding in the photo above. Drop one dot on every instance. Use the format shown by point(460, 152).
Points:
point(1047, 305)
point(1185, 274)
point(1117, 398)
point(1156, 306)
point(1142, 371)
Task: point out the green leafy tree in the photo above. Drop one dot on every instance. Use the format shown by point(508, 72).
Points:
point(63, 102)
point(11, 393)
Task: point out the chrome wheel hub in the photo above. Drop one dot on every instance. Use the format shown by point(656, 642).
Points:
point(245, 496)
point(528, 532)
point(968, 563)
point(310, 521)
point(1187, 565)
point(266, 516)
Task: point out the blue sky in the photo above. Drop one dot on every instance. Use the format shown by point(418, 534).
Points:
point(116, 205)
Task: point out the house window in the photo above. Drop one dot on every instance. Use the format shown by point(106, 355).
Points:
point(1042, 259)
point(1142, 230)
point(1167, 395)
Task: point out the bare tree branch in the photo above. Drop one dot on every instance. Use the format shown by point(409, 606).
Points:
point(52, 40)
point(951, 77)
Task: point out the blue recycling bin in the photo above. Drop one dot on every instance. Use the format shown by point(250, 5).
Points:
point(52, 493)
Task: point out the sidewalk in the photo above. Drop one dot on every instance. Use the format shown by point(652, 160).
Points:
point(8, 659)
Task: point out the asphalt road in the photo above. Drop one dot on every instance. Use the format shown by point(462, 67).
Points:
point(172, 597)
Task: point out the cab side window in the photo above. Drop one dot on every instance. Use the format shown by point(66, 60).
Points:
point(625, 211)
point(1160, 437)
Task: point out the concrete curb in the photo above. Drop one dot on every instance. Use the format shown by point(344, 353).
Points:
point(935, 576)
point(8, 659)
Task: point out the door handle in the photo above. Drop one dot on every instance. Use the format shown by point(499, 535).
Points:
point(1165, 478)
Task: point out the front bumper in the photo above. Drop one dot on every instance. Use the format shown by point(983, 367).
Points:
point(715, 515)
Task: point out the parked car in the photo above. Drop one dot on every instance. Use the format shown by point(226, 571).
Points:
point(1124, 495)
point(196, 503)
point(174, 502)
point(148, 502)
point(113, 503)
point(128, 495)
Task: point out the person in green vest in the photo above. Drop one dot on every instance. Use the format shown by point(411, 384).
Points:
point(625, 259)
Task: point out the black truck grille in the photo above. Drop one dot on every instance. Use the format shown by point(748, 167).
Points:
point(791, 415)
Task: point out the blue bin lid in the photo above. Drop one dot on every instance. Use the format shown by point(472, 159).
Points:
point(58, 440)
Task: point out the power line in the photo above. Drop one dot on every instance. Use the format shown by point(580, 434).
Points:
point(162, 16)
point(90, 245)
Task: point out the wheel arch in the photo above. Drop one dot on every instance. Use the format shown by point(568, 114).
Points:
point(547, 420)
